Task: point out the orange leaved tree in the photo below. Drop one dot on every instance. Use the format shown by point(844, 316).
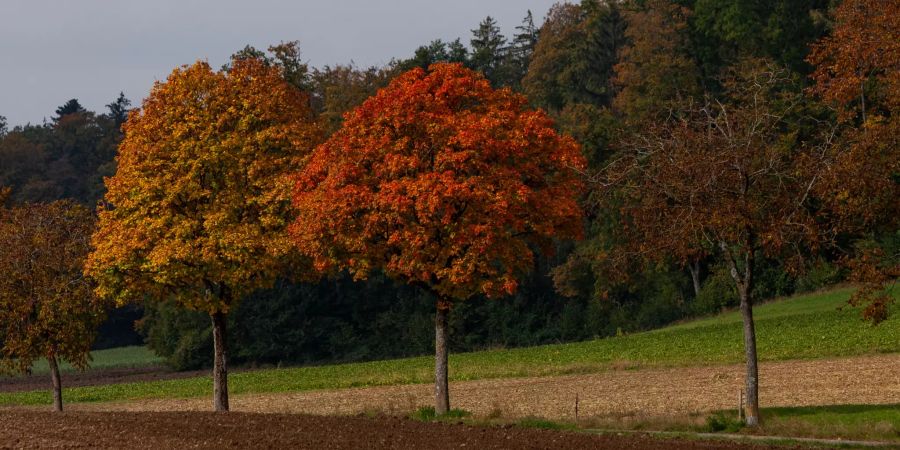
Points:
point(858, 71)
point(198, 209)
point(47, 306)
point(441, 182)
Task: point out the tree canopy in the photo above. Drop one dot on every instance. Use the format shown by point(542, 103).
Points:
point(198, 208)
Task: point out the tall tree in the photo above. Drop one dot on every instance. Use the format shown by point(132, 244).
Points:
point(726, 177)
point(436, 51)
point(339, 89)
point(857, 70)
point(571, 71)
point(200, 200)
point(518, 55)
point(726, 30)
point(70, 107)
point(118, 110)
point(443, 183)
point(552, 57)
point(285, 56)
point(655, 73)
point(47, 308)
point(488, 50)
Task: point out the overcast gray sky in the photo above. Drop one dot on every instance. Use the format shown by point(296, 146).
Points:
point(51, 51)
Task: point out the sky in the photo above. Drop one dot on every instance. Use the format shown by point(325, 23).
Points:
point(54, 50)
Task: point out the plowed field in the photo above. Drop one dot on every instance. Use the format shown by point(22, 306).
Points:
point(177, 430)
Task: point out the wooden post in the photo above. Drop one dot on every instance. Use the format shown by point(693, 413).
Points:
point(576, 407)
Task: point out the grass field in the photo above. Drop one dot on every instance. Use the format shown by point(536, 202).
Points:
point(803, 327)
point(880, 422)
point(113, 358)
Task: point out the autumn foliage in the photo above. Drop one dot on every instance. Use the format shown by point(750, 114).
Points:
point(200, 199)
point(858, 72)
point(441, 181)
point(47, 307)
point(198, 209)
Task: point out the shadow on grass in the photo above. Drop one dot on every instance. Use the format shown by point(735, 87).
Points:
point(862, 422)
point(801, 411)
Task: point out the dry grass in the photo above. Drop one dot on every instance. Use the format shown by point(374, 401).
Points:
point(639, 394)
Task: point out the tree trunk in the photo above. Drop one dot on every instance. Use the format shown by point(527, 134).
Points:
point(752, 408)
point(57, 384)
point(220, 370)
point(744, 285)
point(441, 387)
point(694, 268)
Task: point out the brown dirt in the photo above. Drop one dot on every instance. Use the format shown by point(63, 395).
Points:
point(24, 429)
point(95, 377)
point(644, 392)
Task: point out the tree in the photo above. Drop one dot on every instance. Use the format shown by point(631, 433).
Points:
point(571, 71)
point(552, 57)
point(655, 73)
point(488, 50)
point(118, 110)
point(285, 56)
point(341, 88)
point(518, 55)
point(727, 30)
point(857, 70)
point(727, 177)
point(47, 308)
point(199, 204)
point(441, 182)
point(436, 51)
point(70, 107)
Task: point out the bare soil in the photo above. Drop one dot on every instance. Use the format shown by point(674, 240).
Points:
point(622, 393)
point(156, 430)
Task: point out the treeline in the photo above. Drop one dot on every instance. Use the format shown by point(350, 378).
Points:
point(599, 68)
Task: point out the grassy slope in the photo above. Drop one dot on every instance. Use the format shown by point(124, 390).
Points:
point(802, 327)
point(113, 358)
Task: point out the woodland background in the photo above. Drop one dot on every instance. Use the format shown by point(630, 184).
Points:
point(565, 65)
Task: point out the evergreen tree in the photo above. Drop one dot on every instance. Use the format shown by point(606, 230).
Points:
point(118, 110)
point(518, 54)
point(436, 51)
point(70, 107)
point(488, 49)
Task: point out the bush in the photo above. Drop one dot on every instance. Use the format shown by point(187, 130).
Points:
point(183, 338)
point(819, 275)
point(771, 280)
point(721, 422)
point(717, 293)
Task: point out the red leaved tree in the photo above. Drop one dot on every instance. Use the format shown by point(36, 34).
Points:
point(724, 177)
point(441, 182)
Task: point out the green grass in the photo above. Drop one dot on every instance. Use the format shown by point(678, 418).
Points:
point(844, 422)
point(122, 357)
point(427, 414)
point(861, 422)
point(802, 327)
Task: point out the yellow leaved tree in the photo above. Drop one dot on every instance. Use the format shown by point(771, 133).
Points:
point(198, 207)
